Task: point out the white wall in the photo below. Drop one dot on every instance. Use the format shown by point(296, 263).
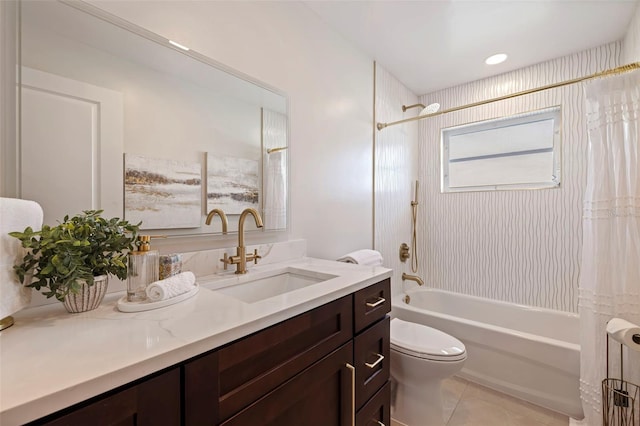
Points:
point(631, 41)
point(395, 173)
point(8, 13)
point(517, 246)
point(330, 88)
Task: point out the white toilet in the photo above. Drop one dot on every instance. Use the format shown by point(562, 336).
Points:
point(421, 357)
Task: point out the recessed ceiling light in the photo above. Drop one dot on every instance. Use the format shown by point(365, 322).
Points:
point(496, 59)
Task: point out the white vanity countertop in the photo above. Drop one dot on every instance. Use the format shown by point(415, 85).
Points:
point(51, 359)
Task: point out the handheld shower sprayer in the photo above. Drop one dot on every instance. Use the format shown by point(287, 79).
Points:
point(414, 237)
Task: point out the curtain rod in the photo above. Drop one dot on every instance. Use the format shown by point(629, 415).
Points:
point(613, 71)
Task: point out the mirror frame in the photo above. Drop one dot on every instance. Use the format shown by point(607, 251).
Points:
point(11, 182)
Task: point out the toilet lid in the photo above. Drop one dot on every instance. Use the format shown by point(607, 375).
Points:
point(425, 342)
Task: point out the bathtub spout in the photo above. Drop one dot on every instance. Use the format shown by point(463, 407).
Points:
point(415, 278)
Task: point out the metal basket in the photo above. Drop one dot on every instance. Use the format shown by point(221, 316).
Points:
point(620, 398)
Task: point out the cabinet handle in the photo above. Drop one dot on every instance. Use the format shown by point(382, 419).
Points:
point(380, 423)
point(378, 361)
point(379, 302)
point(353, 393)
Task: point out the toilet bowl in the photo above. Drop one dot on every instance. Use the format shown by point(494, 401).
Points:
point(421, 357)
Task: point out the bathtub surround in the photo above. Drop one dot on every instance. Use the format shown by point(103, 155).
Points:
point(517, 246)
point(610, 279)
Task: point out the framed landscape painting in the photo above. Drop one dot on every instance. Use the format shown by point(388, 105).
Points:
point(163, 194)
point(232, 183)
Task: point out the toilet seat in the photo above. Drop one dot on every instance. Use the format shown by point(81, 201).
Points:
point(425, 342)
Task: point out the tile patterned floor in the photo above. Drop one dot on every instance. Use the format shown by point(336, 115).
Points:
point(469, 404)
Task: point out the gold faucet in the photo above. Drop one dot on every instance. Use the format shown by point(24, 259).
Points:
point(415, 278)
point(241, 257)
point(225, 222)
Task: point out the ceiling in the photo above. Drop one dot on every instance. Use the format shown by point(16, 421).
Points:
point(435, 44)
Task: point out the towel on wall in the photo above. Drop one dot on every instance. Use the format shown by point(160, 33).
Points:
point(15, 215)
point(171, 287)
point(363, 257)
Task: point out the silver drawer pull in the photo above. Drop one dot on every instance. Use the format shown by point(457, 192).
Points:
point(380, 423)
point(378, 361)
point(379, 302)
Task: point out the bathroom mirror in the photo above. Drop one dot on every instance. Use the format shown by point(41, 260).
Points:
point(117, 118)
point(516, 152)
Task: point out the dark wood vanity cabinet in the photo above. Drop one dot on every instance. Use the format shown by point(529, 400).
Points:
point(327, 366)
point(372, 354)
point(152, 401)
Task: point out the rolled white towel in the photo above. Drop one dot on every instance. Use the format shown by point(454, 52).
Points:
point(171, 287)
point(366, 257)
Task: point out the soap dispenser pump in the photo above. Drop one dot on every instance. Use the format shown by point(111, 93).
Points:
point(143, 269)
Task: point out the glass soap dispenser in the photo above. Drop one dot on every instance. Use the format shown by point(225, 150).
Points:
point(143, 269)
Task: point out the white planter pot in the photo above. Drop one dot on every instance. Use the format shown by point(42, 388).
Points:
point(89, 297)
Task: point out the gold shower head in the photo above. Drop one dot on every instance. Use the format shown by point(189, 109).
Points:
point(405, 107)
point(426, 110)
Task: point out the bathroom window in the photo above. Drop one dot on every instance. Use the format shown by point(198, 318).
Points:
point(517, 152)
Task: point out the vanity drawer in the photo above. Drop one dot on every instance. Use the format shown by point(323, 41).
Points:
point(255, 365)
point(153, 401)
point(376, 412)
point(371, 304)
point(371, 357)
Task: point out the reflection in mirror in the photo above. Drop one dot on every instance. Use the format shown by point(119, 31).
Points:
point(116, 118)
point(517, 152)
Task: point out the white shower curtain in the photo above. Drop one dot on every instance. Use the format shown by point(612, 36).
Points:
point(610, 272)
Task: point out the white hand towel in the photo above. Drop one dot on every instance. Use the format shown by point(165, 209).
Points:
point(171, 287)
point(363, 257)
point(15, 215)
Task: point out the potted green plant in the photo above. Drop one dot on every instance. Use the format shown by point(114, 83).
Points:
point(73, 260)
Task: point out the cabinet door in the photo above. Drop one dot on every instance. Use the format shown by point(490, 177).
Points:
point(321, 395)
point(155, 401)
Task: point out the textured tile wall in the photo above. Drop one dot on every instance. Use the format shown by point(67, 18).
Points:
point(518, 246)
point(396, 165)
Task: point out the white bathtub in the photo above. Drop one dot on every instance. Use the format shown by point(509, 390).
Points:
point(530, 353)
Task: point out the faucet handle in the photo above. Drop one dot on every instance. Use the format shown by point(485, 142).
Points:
point(256, 256)
point(226, 261)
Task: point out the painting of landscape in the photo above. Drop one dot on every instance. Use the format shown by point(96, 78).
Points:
point(232, 183)
point(162, 193)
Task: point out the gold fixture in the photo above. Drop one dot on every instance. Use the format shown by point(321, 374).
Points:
point(271, 150)
point(618, 70)
point(407, 299)
point(406, 107)
point(404, 252)
point(6, 322)
point(223, 217)
point(241, 257)
point(414, 237)
point(352, 370)
point(415, 278)
point(379, 359)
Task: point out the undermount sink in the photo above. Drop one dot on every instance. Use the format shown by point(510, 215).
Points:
point(255, 289)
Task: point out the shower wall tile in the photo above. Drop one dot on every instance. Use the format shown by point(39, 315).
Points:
point(396, 165)
point(517, 246)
